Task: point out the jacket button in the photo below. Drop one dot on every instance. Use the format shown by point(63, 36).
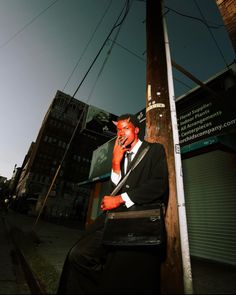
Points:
point(127, 186)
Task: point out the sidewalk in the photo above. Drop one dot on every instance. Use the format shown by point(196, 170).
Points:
point(11, 276)
point(46, 248)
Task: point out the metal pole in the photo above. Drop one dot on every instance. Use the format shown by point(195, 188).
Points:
point(187, 273)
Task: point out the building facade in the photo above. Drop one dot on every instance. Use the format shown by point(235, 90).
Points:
point(63, 147)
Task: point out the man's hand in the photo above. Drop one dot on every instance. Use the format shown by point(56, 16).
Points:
point(110, 202)
point(118, 153)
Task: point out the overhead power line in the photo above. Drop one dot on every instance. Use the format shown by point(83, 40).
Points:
point(204, 21)
point(90, 40)
point(144, 60)
point(118, 22)
point(28, 24)
point(213, 37)
point(104, 63)
point(184, 71)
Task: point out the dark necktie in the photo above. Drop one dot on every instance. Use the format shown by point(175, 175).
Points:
point(129, 159)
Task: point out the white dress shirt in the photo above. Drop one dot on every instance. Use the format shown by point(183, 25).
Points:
point(115, 177)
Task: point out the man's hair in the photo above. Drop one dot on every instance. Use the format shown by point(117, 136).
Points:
point(133, 119)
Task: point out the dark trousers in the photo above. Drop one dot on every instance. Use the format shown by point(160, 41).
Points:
point(90, 268)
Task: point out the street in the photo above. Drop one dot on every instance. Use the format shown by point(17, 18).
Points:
point(44, 250)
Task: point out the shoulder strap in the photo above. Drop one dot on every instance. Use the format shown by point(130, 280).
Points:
point(134, 164)
point(140, 157)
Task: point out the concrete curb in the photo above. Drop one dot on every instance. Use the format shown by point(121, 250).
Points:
point(35, 268)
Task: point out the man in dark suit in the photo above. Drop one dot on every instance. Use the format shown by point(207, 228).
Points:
point(91, 267)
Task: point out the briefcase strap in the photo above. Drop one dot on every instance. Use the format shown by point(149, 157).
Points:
point(133, 165)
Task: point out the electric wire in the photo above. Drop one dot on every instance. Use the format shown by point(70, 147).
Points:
point(106, 59)
point(126, 9)
point(204, 21)
point(213, 37)
point(27, 24)
point(118, 22)
point(87, 45)
point(128, 50)
point(104, 43)
point(144, 60)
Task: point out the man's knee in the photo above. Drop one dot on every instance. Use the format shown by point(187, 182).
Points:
point(76, 256)
point(81, 258)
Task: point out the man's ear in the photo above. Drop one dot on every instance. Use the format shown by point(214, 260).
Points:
point(136, 130)
point(115, 123)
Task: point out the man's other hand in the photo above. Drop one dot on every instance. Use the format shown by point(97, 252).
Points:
point(110, 202)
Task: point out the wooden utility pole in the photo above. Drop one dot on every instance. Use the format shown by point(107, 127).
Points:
point(159, 128)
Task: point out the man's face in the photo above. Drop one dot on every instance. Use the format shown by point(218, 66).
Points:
point(127, 132)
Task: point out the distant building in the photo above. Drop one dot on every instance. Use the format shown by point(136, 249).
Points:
point(14, 180)
point(54, 142)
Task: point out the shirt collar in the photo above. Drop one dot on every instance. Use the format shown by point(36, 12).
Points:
point(136, 147)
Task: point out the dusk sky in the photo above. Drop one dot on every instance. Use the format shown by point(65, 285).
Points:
point(48, 45)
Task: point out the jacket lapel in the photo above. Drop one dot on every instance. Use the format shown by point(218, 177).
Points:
point(142, 147)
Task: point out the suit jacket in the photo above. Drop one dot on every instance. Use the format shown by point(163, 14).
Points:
point(148, 182)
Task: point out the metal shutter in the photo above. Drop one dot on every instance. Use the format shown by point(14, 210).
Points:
point(210, 195)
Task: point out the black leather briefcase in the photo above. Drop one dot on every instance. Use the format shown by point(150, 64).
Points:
point(137, 226)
